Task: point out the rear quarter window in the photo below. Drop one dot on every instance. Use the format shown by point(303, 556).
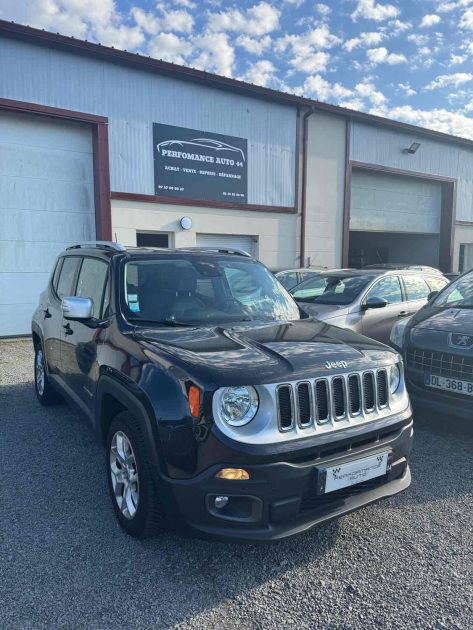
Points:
point(437, 284)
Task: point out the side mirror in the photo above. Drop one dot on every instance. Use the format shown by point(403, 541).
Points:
point(432, 295)
point(374, 302)
point(77, 307)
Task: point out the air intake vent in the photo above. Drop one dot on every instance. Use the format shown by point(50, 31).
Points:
point(322, 402)
point(368, 391)
point(304, 404)
point(354, 394)
point(382, 381)
point(338, 388)
point(285, 407)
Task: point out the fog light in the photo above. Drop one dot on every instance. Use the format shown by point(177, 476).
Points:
point(220, 502)
point(233, 473)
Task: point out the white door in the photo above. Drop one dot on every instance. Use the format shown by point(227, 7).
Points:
point(390, 203)
point(46, 203)
point(228, 241)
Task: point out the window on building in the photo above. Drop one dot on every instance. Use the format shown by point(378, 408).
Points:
point(152, 239)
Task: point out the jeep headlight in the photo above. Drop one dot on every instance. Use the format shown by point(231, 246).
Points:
point(238, 405)
point(396, 337)
point(394, 378)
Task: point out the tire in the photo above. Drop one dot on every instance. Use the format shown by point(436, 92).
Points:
point(130, 475)
point(45, 392)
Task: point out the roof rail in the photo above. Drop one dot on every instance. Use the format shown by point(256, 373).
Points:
point(221, 250)
point(99, 245)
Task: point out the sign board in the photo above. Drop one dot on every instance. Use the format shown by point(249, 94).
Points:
point(199, 165)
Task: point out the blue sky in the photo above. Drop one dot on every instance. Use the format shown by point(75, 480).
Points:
point(409, 60)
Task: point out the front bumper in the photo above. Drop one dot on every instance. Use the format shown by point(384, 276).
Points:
point(430, 399)
point(280, 499)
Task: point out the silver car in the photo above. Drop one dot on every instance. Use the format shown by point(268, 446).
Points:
point(367, 301)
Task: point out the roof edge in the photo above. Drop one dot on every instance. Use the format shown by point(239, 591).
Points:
point(135, 60)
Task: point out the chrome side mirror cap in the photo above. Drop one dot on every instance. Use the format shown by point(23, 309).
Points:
point(77, 307)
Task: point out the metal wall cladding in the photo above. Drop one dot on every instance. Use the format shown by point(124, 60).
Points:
point(133, 100)
point(385, 147)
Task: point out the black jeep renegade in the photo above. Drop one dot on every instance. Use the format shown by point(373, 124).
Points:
point(222, 407)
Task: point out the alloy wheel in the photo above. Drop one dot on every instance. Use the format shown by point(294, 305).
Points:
point(124, 475)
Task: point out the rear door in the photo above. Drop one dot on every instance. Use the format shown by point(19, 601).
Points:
point(378, 322)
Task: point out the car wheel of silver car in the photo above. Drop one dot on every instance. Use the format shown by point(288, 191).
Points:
point(45, 393)
point(131, 480)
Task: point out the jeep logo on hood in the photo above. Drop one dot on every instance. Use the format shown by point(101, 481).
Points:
point(336, 365)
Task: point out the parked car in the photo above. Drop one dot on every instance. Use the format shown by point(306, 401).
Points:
point(290, 278)
point(220, 405)
point(368, 301)
point(437, 344)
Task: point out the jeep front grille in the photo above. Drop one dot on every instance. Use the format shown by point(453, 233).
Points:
point(441, 363)
point(331, 400)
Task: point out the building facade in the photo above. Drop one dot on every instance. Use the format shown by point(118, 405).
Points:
point(101, 143)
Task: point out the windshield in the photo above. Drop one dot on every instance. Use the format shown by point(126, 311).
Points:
point(458, 294)
point(203, 290)
point(331, 289)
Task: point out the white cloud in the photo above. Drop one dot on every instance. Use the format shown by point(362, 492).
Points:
point(364, 39)
point(170, 47)
point(429, 20)
point(308, 50)
point(439, 119)
point(258, 20)
point(323, 9)
point(382, 55)
point(395, 27)
point(295, 3)
point(319, 88)
point(167, 21)
point(214, 53)
point(446, 80)
point(407, 89)
point(254, 46)
point(419, 40)
point(466, 20)
point(367, 90)
point(186, 3)
point(371, 10)
point(261, 73)
point(456, 59)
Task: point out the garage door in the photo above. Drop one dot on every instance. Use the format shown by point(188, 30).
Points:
point(394, 204)
point(245, 243)
point(46, 203)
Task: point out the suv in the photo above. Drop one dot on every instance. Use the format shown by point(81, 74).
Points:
point(437, 344)
point(221, 406)
point(368, 301)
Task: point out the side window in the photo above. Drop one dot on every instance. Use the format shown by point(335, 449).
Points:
point(437, 284)
point(416, 288)
point(65, 286)
point(388, 288)
point(288, 280)
point(92, 281)
point(56, 274)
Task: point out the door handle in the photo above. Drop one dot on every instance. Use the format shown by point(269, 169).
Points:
point(68, 329)
point(47, 314)
point(403, 313)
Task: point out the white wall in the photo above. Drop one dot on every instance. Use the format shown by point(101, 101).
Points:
point(276, 232)
point(325, 189)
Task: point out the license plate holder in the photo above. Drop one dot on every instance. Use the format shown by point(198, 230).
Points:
point(352, 472)
point(447, 384)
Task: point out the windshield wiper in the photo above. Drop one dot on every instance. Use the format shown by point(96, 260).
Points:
point(161, 322)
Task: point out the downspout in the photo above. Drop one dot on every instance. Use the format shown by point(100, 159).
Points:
point(305, 133)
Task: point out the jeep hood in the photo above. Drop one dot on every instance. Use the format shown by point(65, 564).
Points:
point(255, 353)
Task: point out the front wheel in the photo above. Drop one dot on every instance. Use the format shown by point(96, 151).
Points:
point(131, 480)
point(45, 392)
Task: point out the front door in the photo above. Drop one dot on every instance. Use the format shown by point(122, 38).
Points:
point(81, 339)
point(378, 322)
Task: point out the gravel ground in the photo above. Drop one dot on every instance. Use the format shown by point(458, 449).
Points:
point(64, 562)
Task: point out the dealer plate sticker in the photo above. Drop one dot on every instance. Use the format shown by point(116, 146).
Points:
point(448, 384)
point(357, 471)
